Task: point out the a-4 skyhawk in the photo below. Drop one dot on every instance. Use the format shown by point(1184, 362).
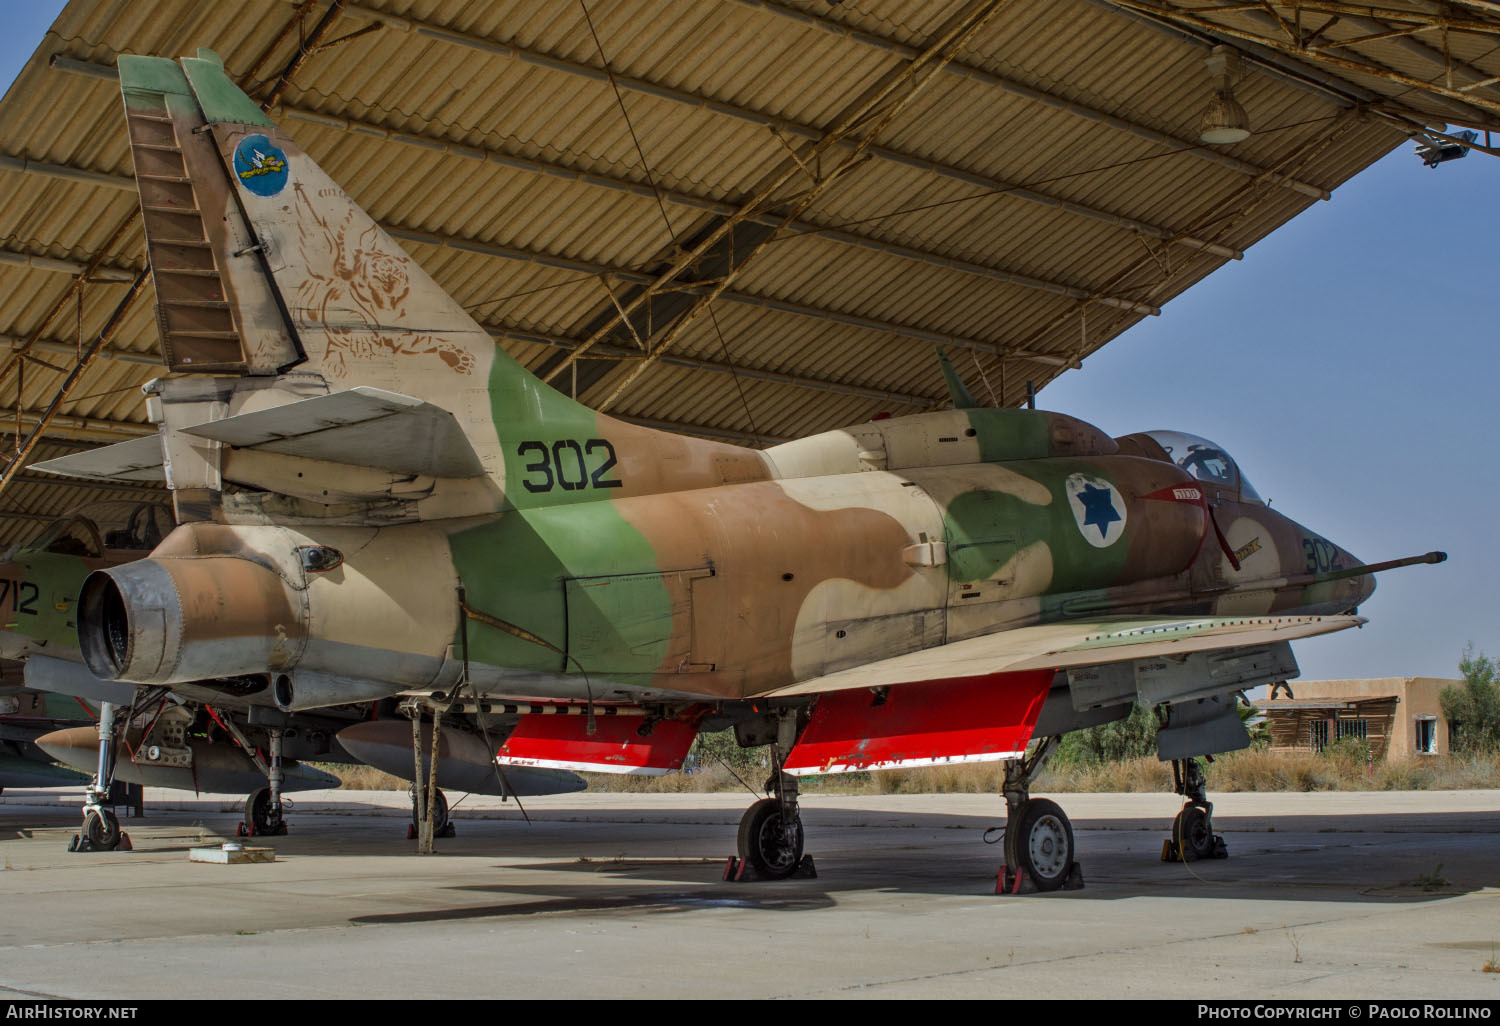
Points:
point(376, 500)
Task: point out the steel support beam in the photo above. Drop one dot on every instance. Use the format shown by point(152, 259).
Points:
point(1021, 89)
point(718, 367)
point(1367, 11)
point(33, 262)
point(70, 350)
point(729, 296)
point(121, 274)
point(124, 183)
point(113, 430)
point(643, 191)
point(1177, 14)
point(702, 431)
point(653, 89)
point(863, 120)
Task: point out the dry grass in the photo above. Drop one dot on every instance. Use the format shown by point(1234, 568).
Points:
point(1249, 770)
point(363, 778)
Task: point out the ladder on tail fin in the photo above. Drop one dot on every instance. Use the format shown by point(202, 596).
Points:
point(196, 322)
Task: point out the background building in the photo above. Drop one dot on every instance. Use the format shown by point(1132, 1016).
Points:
point(1401, 717)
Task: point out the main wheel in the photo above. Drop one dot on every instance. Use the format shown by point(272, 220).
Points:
point(1044, 843)
point(1193, 831)
point(765, 846)
point(102, 829)
point(439, 811)
point(261, 819)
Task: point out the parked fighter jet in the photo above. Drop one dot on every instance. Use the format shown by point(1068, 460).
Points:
point(168, 744)
point(205, 742)
point(377, 501)
point(24, 716)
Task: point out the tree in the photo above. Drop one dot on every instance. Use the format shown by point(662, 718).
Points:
point(1130, 738)
point(1473, 708)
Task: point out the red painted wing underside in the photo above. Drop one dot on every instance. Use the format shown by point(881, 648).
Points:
point(563, 742)
point(974, 719)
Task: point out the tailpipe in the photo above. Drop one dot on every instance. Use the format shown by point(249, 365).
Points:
point(169, 620)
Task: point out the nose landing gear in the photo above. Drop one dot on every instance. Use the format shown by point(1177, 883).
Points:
point(101, 829)
point(1193, 834)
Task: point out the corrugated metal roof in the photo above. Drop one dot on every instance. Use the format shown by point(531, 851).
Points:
point(1037, 196)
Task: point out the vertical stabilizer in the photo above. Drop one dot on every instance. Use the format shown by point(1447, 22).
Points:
point(264, 263)
point(213, 313)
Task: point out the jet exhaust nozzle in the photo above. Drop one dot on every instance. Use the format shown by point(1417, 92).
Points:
point(172, 620)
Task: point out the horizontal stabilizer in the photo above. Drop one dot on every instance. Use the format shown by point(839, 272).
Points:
point(616, 746)
point(139, 459)
point(979, 719)
point(1061, 645)
point(365, 427)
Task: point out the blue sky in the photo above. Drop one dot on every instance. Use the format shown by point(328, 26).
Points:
point(1348, 364)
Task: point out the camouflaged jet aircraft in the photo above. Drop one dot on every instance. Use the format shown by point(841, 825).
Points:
point(160, 739)
point(165, 745)
point(377, 501)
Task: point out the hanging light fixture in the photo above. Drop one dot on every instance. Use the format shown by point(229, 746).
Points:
point(1225, 121)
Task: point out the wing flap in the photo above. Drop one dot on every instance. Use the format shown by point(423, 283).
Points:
point(1063, 645)
point(979, 719)
point(615, 746)
point(139, 459)
point(366, 427)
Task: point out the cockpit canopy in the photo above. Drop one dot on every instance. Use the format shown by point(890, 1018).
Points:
point(97, 527)
point(1203, 459)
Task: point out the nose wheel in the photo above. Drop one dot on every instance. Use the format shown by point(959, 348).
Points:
point(1193, 834)
point(101, 829)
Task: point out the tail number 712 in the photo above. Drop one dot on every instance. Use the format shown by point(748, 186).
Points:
point(569, 465)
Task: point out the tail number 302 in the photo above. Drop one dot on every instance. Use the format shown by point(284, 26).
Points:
point(569, 465)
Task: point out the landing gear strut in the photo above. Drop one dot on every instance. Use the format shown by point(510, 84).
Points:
point(1038, 837)
point(101, 829)
point(442, 826)
point(1193, 834)
point(263, 809)
point(771, 836)
point(264, 812)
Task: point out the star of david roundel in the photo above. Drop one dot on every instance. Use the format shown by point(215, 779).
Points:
point(1097, 507)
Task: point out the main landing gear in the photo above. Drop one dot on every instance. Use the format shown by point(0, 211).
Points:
point(101, 828)
point(771, 836)
point(442, 826)
point(1038, 837)
point(1193, 834)
point(264, 811)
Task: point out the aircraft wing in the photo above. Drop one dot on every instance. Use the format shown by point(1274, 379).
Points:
point(1058, 646)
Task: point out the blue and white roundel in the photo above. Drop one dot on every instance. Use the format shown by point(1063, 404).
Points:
point(260, 165)
point(1098, 508)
